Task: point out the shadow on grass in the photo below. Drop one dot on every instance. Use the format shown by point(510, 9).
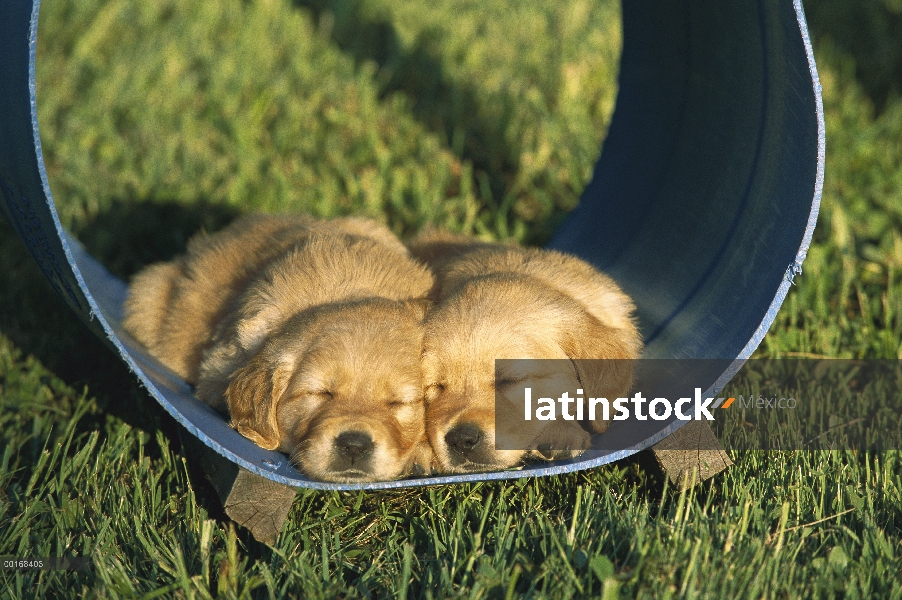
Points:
point(446, 107)
point(124, 238)
point(449, 108)
point(40, 324)
point(870, 32)
point(131, 235)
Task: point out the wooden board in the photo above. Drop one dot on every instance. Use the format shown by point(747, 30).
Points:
point(692, 454)
point(254, 502)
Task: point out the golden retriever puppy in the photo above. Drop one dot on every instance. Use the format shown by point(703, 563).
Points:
point(497, 301)
point(309, 334)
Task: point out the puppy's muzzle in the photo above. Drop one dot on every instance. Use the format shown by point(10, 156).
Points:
point(353, 450)
point(467, 444)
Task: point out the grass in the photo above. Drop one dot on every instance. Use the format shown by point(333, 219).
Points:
point(490, 127)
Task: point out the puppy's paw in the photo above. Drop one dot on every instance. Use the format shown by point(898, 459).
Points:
point(423, 463)
point(560, 440)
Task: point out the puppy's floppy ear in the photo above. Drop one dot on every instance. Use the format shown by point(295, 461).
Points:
point(603, 359)
point(253, 396)
point(418, 306)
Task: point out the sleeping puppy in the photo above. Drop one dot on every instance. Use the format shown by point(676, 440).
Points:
point(497, 301)
point(307, 332)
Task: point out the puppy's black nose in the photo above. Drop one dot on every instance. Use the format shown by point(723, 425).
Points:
point(463, 438)
point(354, 445)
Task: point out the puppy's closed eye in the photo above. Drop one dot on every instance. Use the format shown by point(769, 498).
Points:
point(507, 382)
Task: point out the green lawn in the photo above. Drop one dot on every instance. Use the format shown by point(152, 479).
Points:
point(160, 118)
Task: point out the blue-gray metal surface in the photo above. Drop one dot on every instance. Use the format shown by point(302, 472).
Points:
point(702, 204)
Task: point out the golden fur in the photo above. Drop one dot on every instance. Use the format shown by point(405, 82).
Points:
point(499, 301)
point(308, 332)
